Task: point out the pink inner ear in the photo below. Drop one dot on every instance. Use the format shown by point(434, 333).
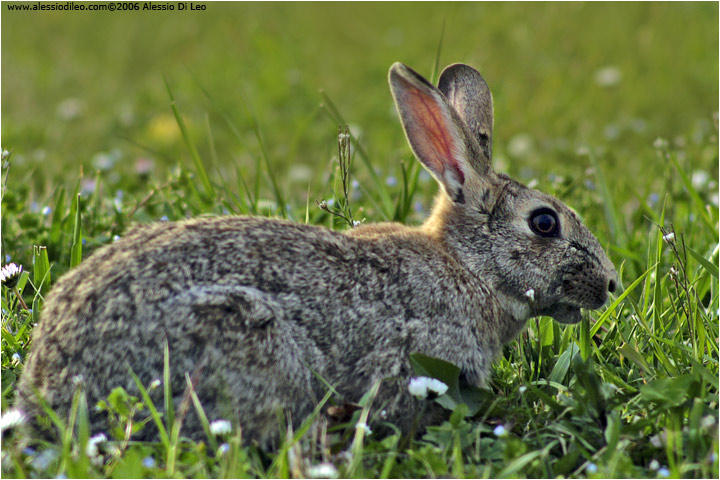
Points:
point(435, 139)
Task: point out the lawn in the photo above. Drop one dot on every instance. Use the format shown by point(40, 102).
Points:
point(115, 118)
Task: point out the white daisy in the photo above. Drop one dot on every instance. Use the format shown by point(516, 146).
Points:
point(420, 387)
point(10, 274)
point(12, 418)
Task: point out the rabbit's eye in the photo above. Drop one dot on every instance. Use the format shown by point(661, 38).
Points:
point(544, 222)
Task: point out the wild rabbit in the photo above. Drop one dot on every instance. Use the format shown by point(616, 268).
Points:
point(256, 309)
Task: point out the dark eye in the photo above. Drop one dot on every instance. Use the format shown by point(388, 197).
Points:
point(544, 222)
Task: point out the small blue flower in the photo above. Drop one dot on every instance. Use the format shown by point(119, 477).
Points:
point(391, 181)
point(164, 218)
point(591, 468)
point(148, 462)
point(46, 211)
point(500, 431)
point(664, 472)
point(44, 459)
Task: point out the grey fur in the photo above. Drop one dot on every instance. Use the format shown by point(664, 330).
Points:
point(251, 307)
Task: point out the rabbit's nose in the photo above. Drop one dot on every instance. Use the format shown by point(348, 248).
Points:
point(611, 286)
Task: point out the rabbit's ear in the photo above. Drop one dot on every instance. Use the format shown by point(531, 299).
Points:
point(438, 136)
point(468, 93)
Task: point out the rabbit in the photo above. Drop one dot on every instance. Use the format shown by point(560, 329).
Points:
point(263, 314)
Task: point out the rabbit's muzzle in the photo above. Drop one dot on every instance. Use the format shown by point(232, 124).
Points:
point(583, 287)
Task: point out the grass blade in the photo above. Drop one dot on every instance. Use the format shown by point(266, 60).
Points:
point(167, 389)
point(606, 314)
point(199, 167)
point(707, 265)
point(76, 249)
point(41, 268)
point(157, 418)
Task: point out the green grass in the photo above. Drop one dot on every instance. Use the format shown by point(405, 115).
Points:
point(191, 114)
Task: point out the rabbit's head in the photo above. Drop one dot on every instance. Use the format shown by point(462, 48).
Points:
point(529, 247)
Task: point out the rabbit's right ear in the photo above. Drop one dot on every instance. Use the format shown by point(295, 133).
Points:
point(437, 134)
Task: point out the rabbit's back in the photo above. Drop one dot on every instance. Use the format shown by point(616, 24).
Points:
point(250, 307)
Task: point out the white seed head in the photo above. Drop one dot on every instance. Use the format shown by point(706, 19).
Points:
point(660, 143)
point(608, 76)
point(91, 449)
point(363, 426)
point(699, 179)
point(708, 421)
point(322, 470)
point(220, 427)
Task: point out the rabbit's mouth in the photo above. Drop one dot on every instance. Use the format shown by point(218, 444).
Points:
point(564, 313)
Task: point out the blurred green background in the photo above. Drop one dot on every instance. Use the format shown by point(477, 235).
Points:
point(85, 88)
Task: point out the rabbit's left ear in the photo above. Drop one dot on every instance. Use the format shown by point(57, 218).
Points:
point(437, 134)
point(468, 93)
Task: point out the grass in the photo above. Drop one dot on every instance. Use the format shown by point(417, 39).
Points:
point(631, 391)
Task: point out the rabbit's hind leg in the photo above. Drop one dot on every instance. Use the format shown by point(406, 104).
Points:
point(254, 362)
